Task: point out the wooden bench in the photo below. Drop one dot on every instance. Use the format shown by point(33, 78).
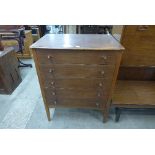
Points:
point(133, 95)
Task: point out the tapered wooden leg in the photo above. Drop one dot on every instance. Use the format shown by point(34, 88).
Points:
point(117, 114)
point(106, 111)
point(48, 113)
point(105, 116)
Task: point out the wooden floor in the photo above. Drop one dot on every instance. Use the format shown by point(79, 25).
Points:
point(134, 93)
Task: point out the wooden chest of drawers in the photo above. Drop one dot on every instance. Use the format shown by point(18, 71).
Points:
point(27, 52)
point(77, 70)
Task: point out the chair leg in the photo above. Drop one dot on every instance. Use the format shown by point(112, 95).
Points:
point(117, 114)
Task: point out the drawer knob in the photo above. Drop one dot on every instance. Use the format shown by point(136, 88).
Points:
point(49, 57)
point(104, 57)
point(100, 84)
point(143, 27)
point(102, 72)
point(97, 104)
point(55, 102)
point(51, 70)
point(99, 94)
point(53, 93)
point(52, 83)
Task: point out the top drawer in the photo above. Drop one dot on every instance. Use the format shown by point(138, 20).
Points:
point(141, 30)
point(76, 57)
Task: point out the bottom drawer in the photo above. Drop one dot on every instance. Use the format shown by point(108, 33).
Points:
point(77, 103)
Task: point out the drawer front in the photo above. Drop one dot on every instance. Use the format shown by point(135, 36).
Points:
point(142, 30)
point(76, 57)
point(145, 30)
point(75, 93)
point(78, 103)
point(139, 42)
point(95, 83)
point(76, 71)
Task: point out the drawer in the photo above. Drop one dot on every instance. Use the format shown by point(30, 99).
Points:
point(141, 30)
point(76, 57)
point(76, 71)
point(145, 30)
point(139, 42)
point(96, 83)
point(77, 103)
point(75, 93)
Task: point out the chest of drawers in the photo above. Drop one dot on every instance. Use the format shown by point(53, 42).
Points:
point(77, 70)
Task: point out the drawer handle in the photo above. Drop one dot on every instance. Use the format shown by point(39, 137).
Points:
point(104, 57)
point(97, 104)
point(52, 83)
point(102, 72)
point(53, 93)
point(143, 27)
point(100, 84)
point(49, 57)
point(51, 70)
point(98, 94)
point(55, 102)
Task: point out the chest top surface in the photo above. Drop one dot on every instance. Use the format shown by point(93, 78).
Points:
point(78, 42)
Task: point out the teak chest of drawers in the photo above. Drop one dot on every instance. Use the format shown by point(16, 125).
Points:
point(77, 70)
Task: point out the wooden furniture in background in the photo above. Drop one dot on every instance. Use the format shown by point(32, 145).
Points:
point(1, 46)
point(9, 73)
point(28, 41)
point(137, 72)
point(35, 34)
point(94, 29)
point(77, 70)
point(133, 95)
point(140, 45)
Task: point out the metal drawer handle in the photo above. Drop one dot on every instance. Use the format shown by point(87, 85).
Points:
point(143, 27)
point(102, 72)
point(51, 70)
point(98, 94)
point(100, 84)
point(104, 57)
point(53, 93)
point(55, 102)
point(49, 57)
point(52, 83)
point(97, 104)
